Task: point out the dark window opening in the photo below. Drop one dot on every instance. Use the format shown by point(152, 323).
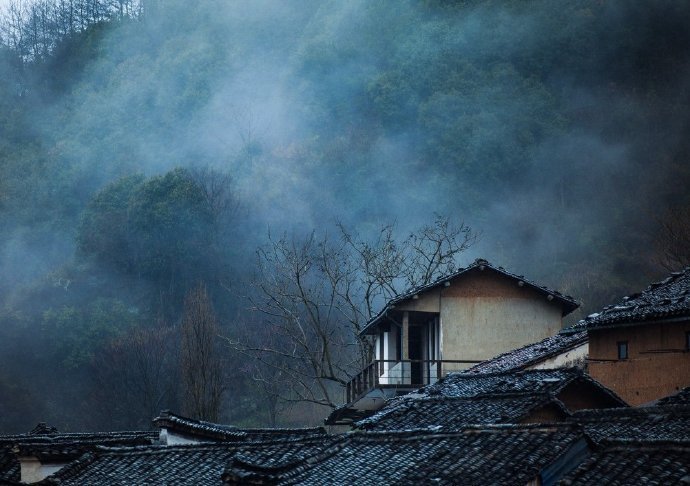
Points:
point(622, 349)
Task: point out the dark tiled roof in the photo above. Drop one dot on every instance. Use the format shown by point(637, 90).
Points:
point(680, 398)
point(669, 298)
point(487, 455)
point(534, 353)
point(567, 302)
point(451, 413)
point(46, 443)
point(484, 397)
point(212, 431)
point(9, 465)
point(193, 464)
point(641, 423)
point(635, 462)
point(463, 384)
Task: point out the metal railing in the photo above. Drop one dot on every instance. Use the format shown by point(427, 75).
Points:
point(410, 373)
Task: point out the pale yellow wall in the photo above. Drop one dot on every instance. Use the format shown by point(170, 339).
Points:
point(485, 314)
point(426, 302)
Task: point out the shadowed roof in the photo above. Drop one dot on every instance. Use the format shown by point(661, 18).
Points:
point(203, 430)
point(475, 455)
point(667, 299)
point(634, 462)
point(464, 398)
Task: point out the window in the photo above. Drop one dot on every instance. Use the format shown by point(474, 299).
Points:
point(622, 349)
point(687, 340)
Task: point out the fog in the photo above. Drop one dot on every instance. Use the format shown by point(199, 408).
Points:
point(557, 130)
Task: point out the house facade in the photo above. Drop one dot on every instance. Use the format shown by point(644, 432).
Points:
point(640, 347)
point(462, 319)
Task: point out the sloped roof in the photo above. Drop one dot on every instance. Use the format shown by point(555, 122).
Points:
point(193, 464)
point(475, 455)
point(634, 462)
point(211, 431)
point(680, 398)
point(568, 303)
point(450, 413)
point(463, 398)
point(534, 353)
point(667, 299)
point(47, 443)
point(463, 384)
point(638, 423)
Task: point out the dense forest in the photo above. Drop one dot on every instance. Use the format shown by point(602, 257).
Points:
point(164, 164)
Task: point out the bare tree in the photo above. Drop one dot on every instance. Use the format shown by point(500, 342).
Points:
point(315, 295)
point(135, 377)
point(201, 364)
point(673, 238)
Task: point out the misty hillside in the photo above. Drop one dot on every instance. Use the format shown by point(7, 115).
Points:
point(147, 146)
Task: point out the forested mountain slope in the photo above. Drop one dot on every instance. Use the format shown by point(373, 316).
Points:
point(147, 146)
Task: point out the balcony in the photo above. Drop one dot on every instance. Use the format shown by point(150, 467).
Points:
point(404, 375)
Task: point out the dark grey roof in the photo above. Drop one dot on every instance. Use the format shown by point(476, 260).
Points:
point(211, 431)
point(568, 303)
point(667, 299)
point(47, 444)
point(635, 462)
point(194, 464)
point(680, 398)
point(534, 353)
point(486, 455)
point(640, 423)
point(464, 398)
point(463, 384)
point(451, 413)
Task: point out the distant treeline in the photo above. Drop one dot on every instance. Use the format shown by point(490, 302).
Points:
point(148, 149)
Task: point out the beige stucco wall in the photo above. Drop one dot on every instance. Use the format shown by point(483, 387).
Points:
point(485, 314)
point(573, 357)
point(32, 470)
point(426, 302)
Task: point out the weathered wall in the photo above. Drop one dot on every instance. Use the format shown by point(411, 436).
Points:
point(428, 301)
point(32, 470)
point(658, 364)
point(573, 357)
point(484, 314)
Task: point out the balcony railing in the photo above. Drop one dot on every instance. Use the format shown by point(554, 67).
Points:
point(411, 373)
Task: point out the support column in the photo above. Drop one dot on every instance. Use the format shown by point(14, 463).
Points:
point(406, 336)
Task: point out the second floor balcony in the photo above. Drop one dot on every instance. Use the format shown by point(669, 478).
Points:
point(400, 375)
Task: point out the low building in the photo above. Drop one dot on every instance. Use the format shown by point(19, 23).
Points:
point(640, 347)
point(459, 320)
point(176, 429)
point(534, 396)
point(29, 458)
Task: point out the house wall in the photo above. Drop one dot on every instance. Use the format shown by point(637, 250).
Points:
point(576, 357)
point(32, 470)
point(658, 363)
point(484, 314)
point(546, 414)
point(583, 395)
point(428, 301)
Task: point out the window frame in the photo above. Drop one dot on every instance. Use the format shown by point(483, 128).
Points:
point(623, 350)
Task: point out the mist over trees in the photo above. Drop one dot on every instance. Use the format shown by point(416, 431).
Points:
point(147, 147)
